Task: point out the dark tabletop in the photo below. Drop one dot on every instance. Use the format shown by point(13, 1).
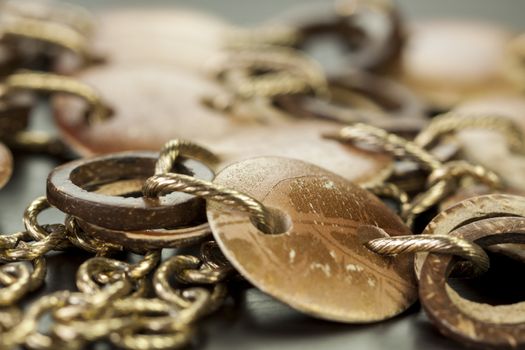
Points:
point(253, 320)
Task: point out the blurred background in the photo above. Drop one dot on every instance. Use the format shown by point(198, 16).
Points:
point(249, 12)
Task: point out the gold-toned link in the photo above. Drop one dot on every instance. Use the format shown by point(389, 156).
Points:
point(387, 142)
point(54, 83)
point(460, 169)
point(389, 190)
point(287, 71)
point(443, 179)
point(49, 32)
point(174, 149)
point(450, 123)
point(444, 244)
point(163, 184)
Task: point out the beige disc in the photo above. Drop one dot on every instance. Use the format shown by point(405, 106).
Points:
point(153, 105)
point(304, 141)
point(449, 60)
point(6, 165)
point(318, 264)
point(168, 36)
point(489, 148)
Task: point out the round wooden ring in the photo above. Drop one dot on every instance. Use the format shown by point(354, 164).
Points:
point(143, 240)
point(373, 35)
point(471, 210)
point(400, 110)
point(69, 188)
point(474, 324)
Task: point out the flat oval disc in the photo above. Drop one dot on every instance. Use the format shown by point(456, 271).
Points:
point(319, 264)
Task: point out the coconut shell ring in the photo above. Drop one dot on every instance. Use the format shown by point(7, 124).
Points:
point(395, 107)
point(106, 191)
point(472, 323)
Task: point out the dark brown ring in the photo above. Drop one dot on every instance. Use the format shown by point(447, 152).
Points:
point(403, 111)
point(144, 240)
point(367, 49)
point(68, 189)
point(443, 309)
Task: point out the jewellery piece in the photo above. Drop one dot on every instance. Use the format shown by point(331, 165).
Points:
point(139, 124)
point(314, 259)
point(472, 323)
point(449, 61)
point(145, 240)
point(304, 141)
point(140, 121)
point(6, 165)
point(469, 211)
point(387, 104)
point(34, 41)
point(369, 31)
point(490, 147)
point(173, 37)
point(117, 178)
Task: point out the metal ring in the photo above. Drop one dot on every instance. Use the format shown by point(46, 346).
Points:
point(70, 189)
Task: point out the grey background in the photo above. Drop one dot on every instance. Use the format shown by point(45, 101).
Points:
point(255, 321)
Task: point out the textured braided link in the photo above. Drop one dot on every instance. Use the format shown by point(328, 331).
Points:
point(443, 244)
point(172, 150)
point(389, 190)
point(385, 141)
point(293, 71)
point(449, 123)
point(54, 83)
point(425, 200)
point(49, 32)
point(460, 169)
point(23, 281)
point(162, 184)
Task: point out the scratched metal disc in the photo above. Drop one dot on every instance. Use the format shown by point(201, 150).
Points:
point(153, 105)
point(449, 60)
point(6, 165)
point(318, 265)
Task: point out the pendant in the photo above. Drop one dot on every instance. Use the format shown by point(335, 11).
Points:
point(316, 262)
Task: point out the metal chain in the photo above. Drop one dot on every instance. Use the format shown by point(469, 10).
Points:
point(478, 260)
point(451, 123)
point(158, 185)
point(387, 142)
point(443, 180)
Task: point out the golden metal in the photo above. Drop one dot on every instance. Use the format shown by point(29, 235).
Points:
point(159, 185)
point(443, 178)
point(451, 123)
point(49, 32)
point(174, 149)
point(387, 142)
point(54, 83)
point(289, 72)
point(443, 244)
